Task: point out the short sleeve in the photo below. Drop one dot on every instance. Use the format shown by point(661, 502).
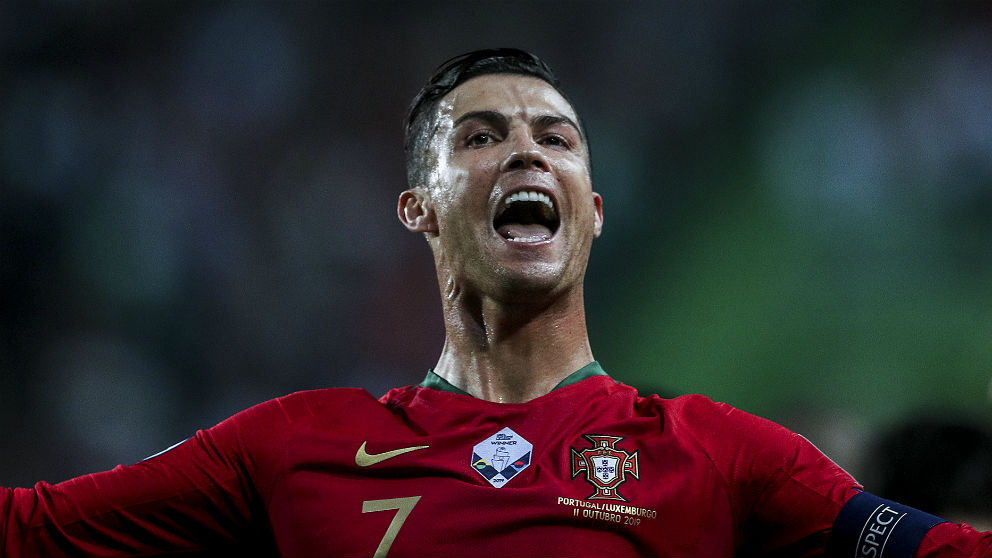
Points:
point(786, 492)
point(194, 497)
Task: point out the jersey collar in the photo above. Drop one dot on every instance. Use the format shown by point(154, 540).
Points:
point(433, 381)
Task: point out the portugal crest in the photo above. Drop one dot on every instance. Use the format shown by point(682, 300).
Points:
point(606, 466)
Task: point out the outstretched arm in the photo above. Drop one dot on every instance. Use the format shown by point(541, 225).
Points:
point(873, 527)
point(195, 497)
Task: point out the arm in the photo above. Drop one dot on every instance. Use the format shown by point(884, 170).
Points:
point(194, 497)
point(955, 539)
point(794, 501)
point(872, 527)
point(785, 493)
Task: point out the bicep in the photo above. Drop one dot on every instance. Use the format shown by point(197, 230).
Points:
point(194, 496)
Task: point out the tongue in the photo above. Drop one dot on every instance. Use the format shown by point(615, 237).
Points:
point(518, 232)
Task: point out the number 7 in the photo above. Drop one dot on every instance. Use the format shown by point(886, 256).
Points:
point(404, 505)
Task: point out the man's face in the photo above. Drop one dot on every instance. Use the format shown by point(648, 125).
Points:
point(511, 191)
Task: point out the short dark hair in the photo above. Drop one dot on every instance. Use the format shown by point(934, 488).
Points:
point(420, 118)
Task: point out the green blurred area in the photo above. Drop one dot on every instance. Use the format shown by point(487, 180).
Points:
point(828, 262)
point(875, 318)
point(745, 309)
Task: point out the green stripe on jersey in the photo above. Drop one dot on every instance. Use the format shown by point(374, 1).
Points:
point(434, 381)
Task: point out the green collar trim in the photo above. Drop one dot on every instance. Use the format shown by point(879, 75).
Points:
point(433, 381)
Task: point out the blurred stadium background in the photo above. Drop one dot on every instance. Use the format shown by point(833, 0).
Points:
point(197, 209)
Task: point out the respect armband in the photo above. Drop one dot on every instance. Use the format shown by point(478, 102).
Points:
point(873, 527)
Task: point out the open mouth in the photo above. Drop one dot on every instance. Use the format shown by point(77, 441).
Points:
point(526, 216)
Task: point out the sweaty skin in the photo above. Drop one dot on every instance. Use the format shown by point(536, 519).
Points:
point(513, 307)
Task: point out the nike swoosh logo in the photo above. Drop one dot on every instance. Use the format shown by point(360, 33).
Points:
point(364, 459)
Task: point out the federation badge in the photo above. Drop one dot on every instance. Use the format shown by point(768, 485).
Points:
point(501, 456)
point(606, 466)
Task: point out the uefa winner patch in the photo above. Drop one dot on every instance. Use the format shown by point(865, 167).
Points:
point(501, 456)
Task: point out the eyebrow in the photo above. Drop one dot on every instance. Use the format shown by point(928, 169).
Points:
point(548, 120)
point(497, 118)
point(487, 116)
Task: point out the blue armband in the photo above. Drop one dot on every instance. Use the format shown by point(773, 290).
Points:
point(872, 527)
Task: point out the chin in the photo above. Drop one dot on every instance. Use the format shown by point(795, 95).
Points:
point(530, 280)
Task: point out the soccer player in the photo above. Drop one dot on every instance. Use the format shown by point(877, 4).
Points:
point(517, 443)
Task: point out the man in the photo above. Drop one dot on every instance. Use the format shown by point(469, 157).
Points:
point(517, 443)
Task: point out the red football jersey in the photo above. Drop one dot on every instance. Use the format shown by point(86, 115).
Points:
point(588, 469)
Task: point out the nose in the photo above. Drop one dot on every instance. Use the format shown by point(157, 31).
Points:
point(522, 159)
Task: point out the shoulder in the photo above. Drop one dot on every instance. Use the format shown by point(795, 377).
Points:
point(322, 400)
point(716, 418)
point(259, 429)
point(696, 412)
point(303, 407)
point(730, 436)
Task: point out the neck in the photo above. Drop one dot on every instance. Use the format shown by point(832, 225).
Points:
point(513, 352)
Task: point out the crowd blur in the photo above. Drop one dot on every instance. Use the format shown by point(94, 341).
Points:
point(197, 208)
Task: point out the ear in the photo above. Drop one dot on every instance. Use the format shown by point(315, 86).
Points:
point(597, 201)
point(415, 211)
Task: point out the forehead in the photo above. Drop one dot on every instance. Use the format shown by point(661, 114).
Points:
point(509, 94)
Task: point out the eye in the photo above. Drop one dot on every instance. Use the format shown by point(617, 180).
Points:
point(555, 140)
point(478, 139)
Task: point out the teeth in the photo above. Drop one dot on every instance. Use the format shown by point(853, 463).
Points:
point(529, 195)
